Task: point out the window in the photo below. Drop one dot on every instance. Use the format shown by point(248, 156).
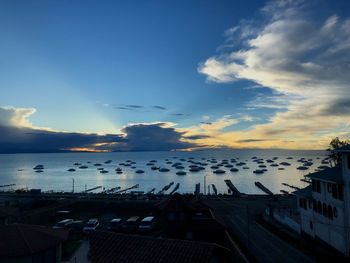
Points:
point(329, 188)
point(311, 225)
point(324, 209)
point(319, 207)
point(340, 192)
point(313, 185)
point(310, 204)
point(330, 212)
point(314, 204)
point(335, 212)
point(318, 186)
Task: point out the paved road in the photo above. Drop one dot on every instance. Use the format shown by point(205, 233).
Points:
point(262, 244)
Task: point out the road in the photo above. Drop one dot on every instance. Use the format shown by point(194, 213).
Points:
point(261, 244)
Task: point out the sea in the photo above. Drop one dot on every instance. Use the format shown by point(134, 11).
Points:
point(18, 169)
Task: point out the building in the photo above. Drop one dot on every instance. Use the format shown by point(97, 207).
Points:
point(111, 247)
point(324, 205)
point(30, 243)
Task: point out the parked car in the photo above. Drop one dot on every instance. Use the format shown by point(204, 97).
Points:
point(91, 225)
point(115, 224)
point(147, 224)
point(63, 224)
point(132, 224)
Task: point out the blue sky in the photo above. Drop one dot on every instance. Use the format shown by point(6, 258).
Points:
point(99, 66)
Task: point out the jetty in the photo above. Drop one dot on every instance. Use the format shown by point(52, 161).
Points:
point(126, 189)
point(197, 189)
point(214, 189)
point(291, 186)
point(92, 189)
point(110, 191)
point(263, 188)
point(165, 188)
point(232, 188)
point(175, 188)
point(151, 191)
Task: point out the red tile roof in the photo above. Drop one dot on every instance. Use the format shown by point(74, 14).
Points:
point(106, 247)
point(20, 239)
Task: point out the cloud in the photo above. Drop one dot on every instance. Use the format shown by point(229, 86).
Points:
point(159, 107)
point(17, 117)
point(303, 58)
point(18, 135)
point(153, 137)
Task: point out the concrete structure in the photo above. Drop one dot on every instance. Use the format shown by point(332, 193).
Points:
point(324, 205)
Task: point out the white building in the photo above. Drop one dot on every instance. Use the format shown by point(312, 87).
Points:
point(324, 205)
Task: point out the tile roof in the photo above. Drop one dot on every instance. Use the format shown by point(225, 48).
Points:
point(20, 239)
point(332, 175)
point(106, 247)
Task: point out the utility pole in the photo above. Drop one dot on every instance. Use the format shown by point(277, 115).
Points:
point(73, 185)
point(205, 188)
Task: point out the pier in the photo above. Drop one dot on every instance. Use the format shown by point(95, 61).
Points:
point(291, 186)
point(175, 188)
point(232, 188)
point(151, 191)
point(7, 185)
point(214, 189)
point(263, 188)
point(126, 189)
point(92, 189)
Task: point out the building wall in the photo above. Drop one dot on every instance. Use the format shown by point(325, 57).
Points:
point(346, 180)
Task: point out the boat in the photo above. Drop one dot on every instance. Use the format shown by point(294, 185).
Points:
point(164, 170)
point(285, 163)
point(103, 171)
point(258, 171)
point(108, 161)
point(139, 171)
point(302, 168)
point(219, 171)
point(234, 170)
point(83, 167)
point(155, 168)
point(181, 173)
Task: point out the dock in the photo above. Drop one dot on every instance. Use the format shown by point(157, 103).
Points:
point(151, 191)
point(111, 190)
point(126, 189)
point(175, 188)
point(214, 189)
point(92, 189)
point(291, 186)
point(165, 188)
point(232, 188)
point(197, 189)
point(263, 188)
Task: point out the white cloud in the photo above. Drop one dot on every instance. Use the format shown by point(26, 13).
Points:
point(303, 59)
point(15, 117)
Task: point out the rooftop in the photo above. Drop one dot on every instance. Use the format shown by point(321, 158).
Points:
point(111, 247)
point(19, 239)
point(331, 175)
point(304, 192)
point(345, 148)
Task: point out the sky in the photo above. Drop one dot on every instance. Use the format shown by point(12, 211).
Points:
point(173, 75)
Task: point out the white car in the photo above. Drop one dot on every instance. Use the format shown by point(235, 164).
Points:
point(147, 224)
point(91, 226)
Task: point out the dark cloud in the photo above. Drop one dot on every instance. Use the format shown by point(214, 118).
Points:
point(197, 137)
point(138, 137)
point(21, 140)
point(134, 106)
point(153, 137)
point(123, 108)
point(340, 107)
point(179, 114)
point(207, 123)
point(159, 107)
point(256, 140)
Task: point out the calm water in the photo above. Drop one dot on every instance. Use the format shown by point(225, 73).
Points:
point(18, 169)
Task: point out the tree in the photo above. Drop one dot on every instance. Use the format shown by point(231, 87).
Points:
point(333, 154)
